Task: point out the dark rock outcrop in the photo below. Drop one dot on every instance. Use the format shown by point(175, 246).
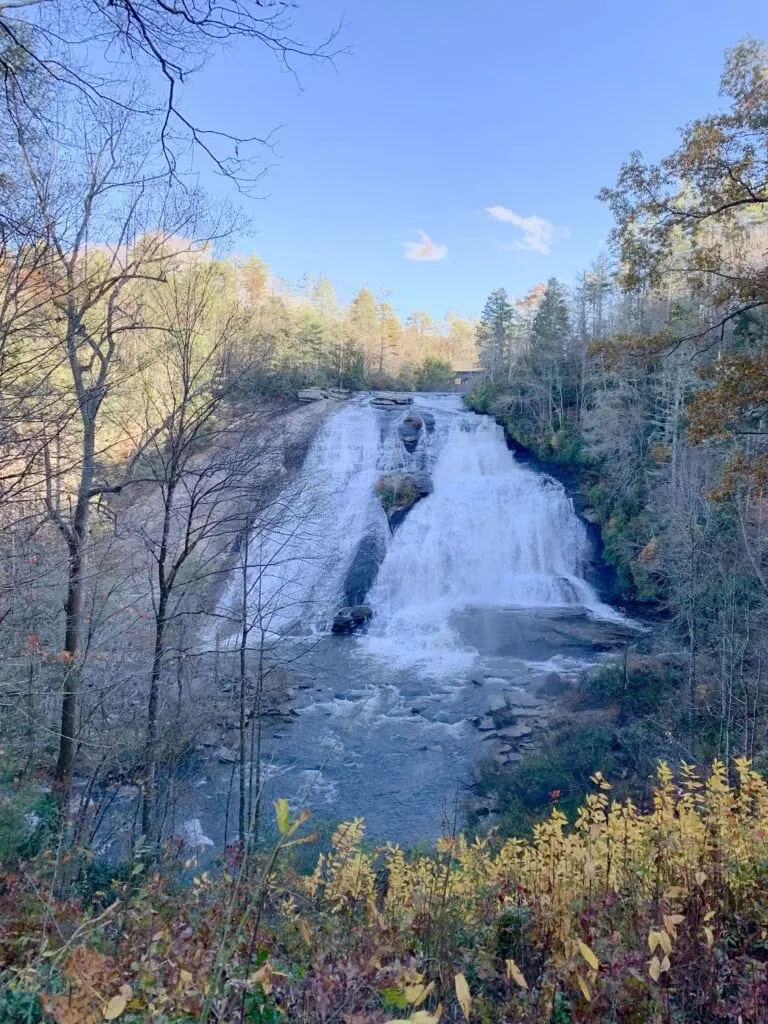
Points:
point(399, 492)
point(410, 432)
point(422, 482)
point(361, 574)
point(312, 395)
point(348, 620)
point(426, 418)
point(390, 399)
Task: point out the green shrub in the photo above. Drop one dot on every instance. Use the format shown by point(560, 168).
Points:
point(27, 822)
point(644, 688)
point(396, 492)
point(20, 1006)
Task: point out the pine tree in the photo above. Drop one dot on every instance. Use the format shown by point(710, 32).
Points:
point(494, 334)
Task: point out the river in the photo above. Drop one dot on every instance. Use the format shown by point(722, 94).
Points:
point(477, 597)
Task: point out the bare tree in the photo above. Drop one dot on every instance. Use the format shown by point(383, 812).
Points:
point(163, 44)
point(202, 462)
point(93, 197)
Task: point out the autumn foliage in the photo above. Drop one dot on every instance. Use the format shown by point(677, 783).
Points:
point(657, 914)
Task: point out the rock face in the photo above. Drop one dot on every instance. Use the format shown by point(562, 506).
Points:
point(362, 572)
point(312, 395)
point(399, 492)
point(422, 482)
point(320, 394)
point(390, 399)
point(426, 418)
point(348, 620)
point(410, 432)
point(553, 685)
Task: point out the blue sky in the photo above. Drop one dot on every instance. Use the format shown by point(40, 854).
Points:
point(446, 109)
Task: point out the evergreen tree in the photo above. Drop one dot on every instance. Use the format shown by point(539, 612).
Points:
point(494, 334)
point(551, 323)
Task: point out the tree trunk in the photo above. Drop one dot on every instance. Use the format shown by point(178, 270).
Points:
point(76, 537)
point(150, 746)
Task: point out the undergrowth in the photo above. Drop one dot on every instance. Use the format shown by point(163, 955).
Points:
point(628, 915)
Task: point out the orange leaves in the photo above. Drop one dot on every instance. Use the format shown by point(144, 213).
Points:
point(91, 977)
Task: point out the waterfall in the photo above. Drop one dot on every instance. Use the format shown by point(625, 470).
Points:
point(492, 534)
point(300, 554)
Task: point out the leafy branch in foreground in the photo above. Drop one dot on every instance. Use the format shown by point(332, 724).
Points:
point(629, 915)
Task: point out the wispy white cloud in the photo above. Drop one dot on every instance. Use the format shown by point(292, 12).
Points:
point(537, 232)
point(425, 251)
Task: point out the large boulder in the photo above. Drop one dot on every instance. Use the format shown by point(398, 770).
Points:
point(426, 418)
point(399, 492)
point(363, 570)
point(422, 482)
point(390, 399)
point(410, 432)
point(312, 395)
point(348, 620)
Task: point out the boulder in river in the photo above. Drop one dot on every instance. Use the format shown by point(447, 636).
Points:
point(399, 492)
point(510, 732)
point(348, 620)
point(427, 418)
point(553, 685)
point(410, 432)
point(422, 482)
point(390, 399)
point(363, 570)
point(226, 756)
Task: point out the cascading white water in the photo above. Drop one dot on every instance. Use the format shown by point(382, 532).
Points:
point(492, 534)
point(300, 558)
point(492, 538)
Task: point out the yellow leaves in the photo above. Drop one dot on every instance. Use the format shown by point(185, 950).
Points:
point(659, 938)
point(288, 826)
point(115, 1007)
point(304, 932)
point(283, 816)
point(263, 977)
point(658, 967)
point(700, 878)
point(515, 974)
point(411, 991)
point(709, 935)
point(416, 994)
point(585, 989)
point(421, 1017)
point(671, 921)
point(588, 955)
point(675, 892)
point(462, 994)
